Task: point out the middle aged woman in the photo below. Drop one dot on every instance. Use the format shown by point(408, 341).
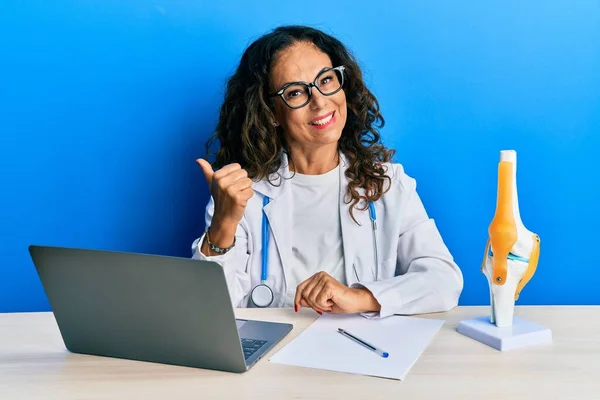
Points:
point(307, 209)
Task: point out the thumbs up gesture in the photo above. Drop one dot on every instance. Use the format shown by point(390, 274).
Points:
point(230, 188)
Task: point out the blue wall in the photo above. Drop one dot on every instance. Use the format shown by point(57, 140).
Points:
point(104, 106)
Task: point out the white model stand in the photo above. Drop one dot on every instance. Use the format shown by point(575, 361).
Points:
point(510, 260)
point(521, 334)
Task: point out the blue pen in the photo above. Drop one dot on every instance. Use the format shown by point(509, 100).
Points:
point(350, 336)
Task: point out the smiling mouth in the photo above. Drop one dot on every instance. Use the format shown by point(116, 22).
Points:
point(323, 121)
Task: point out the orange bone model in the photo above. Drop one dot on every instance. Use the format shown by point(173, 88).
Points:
point(503, 229)
point(512, 251)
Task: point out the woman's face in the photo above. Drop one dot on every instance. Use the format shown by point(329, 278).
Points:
point(320, 122)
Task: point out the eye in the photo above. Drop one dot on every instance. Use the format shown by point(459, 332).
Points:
point(326, 80)
point(293, 93)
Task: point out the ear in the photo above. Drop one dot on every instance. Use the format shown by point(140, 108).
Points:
point(273, 116)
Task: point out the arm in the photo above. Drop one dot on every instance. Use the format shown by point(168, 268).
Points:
point(428, 280)
point(234, 262)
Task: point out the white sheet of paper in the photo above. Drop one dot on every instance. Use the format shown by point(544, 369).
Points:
point(321, 346)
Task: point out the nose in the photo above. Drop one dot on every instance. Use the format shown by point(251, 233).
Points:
point(318, 101)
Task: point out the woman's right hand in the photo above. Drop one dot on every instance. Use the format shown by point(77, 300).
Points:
point(231, 189)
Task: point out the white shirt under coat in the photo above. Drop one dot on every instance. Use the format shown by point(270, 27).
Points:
point(316, 230)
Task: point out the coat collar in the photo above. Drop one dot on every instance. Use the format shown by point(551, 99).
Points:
point(278, 182)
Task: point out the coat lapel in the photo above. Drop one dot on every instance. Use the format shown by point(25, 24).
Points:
point(357, 239)
point(279, 215)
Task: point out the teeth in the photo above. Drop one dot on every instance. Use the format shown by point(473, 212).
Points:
point(323, 121)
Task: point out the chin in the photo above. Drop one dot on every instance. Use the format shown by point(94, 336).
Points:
point(328, 137)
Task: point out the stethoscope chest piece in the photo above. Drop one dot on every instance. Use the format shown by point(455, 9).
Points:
point(262, 295)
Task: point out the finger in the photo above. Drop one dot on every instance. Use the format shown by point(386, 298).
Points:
point(335, 309)
point(242, 197)
point(240, 185)
point(319, 295)
point(232, 178)
point(305, 291)
point(312, 290)
point(247, 194)
point(298, 295)
point(331, 308)
point(324, 298)
point(206, 169)
point(226, 170)
point(306, 304)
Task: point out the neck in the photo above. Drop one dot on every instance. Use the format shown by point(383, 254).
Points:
point(314, 161)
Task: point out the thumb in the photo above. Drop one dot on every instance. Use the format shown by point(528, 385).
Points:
point(207, 169)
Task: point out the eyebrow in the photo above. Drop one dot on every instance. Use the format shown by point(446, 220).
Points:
point(288, 83)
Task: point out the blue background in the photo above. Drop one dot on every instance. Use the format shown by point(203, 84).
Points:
point(105, 105)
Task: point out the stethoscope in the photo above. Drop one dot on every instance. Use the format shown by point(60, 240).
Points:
point(262, 295)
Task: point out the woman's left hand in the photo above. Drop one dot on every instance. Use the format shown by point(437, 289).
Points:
point(323, 293)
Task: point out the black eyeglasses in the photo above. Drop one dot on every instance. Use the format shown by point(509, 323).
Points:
point(298, 94)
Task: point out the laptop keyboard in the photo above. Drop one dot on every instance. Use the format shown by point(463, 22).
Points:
point(250, 346)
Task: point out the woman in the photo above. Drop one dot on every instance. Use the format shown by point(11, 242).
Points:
point(307, 210)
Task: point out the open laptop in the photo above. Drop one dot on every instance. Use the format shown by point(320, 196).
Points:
point(150, 308)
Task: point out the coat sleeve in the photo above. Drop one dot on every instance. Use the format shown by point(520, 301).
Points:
point(234, 262)
point(427, 278)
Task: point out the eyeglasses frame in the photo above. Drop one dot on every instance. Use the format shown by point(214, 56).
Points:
point(310, 85)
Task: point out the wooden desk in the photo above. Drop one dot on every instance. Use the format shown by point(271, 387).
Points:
point(35, 364)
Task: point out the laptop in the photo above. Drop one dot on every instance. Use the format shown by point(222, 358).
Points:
point(150, 308)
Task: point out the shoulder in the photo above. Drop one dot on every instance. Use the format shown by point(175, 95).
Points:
point(400, 181)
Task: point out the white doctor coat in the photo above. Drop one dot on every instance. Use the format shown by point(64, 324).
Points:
point(416, 272)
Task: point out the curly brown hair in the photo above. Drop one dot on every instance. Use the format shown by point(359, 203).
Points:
point(247, 135)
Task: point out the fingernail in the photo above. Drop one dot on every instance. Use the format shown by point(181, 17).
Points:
point(295, 308)
point(320, 312)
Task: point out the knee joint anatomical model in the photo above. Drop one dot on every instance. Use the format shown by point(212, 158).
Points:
point(512, 251)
